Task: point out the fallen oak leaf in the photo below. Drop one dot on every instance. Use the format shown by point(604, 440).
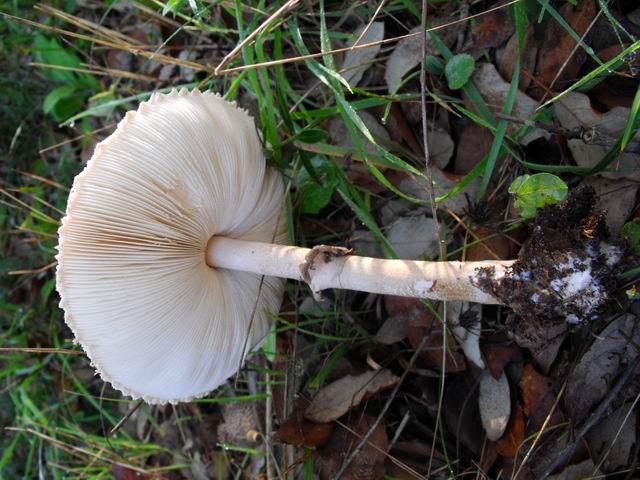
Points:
point(337, 398)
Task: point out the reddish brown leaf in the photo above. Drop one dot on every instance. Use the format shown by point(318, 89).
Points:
point(496, 246)
point(297, 430)
point(508, 445)
point(538, 399)
point(492, 29)
point(369, 463)
point(120, 472)
point(558, 45)
point(418, 321)
point(497, 356)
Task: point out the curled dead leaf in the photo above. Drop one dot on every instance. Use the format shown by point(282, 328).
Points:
point(539, 399)
point(337, 398)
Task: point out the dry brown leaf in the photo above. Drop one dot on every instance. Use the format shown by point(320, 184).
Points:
point(616, 198)
point(493, 28)
point(413, 237)
point(441, 147)
point(579, 471)
point(538, 399)
point(356, 171)
point(506, 59)
point(592, 378)
point(408, 52)
point(494, 401)
point(340, 136)
point(390, 332)
point(494, 90)
point(443, 183)
point(418, 321)
point(557, 46)
point(475, 142)
point(337, 398)
point(369, 463)
point(358, 60)
point(297, 430)
point(542, 340)
point(614, 437)
point(496, 246)
point(574, 110)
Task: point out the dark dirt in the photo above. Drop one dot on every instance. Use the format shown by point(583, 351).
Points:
point(567, 269)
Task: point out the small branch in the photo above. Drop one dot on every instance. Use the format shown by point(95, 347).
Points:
point(425, 134)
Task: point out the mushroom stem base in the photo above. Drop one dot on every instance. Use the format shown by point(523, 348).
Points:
point(324, 267)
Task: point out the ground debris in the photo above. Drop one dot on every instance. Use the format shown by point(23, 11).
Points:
point(337, 398)
point(567, 269)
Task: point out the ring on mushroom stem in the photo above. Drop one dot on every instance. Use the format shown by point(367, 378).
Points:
point(180, 187)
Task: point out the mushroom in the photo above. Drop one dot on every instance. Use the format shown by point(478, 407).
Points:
point(171, 253)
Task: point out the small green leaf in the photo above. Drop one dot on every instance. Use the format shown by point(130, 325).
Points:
point(458, 70)
point(316, 195)
point(536, 191)
point(631, 231)
point(56, 95)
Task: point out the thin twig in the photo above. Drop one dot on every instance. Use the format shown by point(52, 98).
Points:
point(124, 419)
point(41, 350)
point(570, 56)
point(368, 26)
point(425, 134)
point(287, 6)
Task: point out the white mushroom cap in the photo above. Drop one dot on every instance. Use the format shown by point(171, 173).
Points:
point(154, 319)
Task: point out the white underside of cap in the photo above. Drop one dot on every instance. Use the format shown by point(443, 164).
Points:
point(155, 320)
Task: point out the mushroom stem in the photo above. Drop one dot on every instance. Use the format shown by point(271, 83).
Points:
point(332, 267)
